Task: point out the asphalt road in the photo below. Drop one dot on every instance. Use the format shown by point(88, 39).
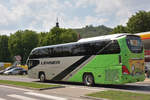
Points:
point(23, 78)
point(76, 91)
point(11, 93)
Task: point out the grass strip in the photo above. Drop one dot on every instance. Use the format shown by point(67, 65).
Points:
point(120, 95)
point(28, 84)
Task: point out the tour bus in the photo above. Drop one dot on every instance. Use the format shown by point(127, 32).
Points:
point(145, 36)
point(110, 59)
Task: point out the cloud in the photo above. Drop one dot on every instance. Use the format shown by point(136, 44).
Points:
point(78, 22)
point(107, 6)
point(91, 20)
point(4, 15)
point(84, 3)
point(40, 15)
point(68, 4)
point(29, 14)
point(118, 10)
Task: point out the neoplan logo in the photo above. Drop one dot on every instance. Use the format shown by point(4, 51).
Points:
point(50, 62)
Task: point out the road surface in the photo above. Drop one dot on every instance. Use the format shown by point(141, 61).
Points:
point(12, 93)
point(75, 91)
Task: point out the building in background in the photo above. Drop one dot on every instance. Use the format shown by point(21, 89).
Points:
point(145, 36)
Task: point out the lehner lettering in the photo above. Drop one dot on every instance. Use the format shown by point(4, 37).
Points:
point(50, 62)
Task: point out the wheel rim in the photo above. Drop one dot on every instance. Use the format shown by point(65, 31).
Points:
point(42, 77)
point(88, 80)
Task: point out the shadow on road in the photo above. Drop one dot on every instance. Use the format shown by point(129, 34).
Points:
point(127, 87)
point(133, 86)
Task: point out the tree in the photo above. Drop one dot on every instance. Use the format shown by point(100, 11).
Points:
point(119, 29)
point(29, 41)
point(42, 37)
point(15, 44)
point(60, 35)
point(140, 22)
point(68, 36)
point(91, 31)
point(4, 52)
point(22, 42)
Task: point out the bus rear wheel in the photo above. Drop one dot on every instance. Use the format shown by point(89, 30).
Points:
point(88, 79)
point(42, 77)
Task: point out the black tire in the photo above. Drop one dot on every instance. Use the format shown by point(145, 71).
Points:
point(42, 77)
point(88, 79)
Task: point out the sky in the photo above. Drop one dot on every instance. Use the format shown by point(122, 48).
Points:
point(41, 15)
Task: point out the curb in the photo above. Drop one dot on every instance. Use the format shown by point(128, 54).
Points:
point(51, 88)
point(39, 89)
point(93, 98)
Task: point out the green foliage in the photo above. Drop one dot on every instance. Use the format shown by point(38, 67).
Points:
point(68, 36)
point(22, 42)
point(139, 22)
point(42, 37)
point(28, 84)
point(4, 52)
point(29, 41)
point(120, 95)
point(119, 29)
point(91, 31)
point(15, 43)
point(59, 36)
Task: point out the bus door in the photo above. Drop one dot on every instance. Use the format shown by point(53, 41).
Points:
point(31, 64)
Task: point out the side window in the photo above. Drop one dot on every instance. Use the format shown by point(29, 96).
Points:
point(58, 51)
point(34, 54)
point(66, 50)
point(32, 63)
point(113, 48)
point(51, 52)
point(75, 49)
point(40, 53)
point(43, 53)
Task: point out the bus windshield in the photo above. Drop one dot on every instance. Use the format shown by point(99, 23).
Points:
point(134, 44)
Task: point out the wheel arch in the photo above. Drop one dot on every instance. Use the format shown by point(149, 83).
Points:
point(90, 73)
point(41, 72)
point(84, 78)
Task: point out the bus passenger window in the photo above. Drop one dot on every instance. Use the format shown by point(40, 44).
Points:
point(32, 63)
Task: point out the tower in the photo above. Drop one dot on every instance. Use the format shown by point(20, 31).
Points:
point(57, 24)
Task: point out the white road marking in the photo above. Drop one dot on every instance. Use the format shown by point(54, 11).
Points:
point(21, 97)
point(94, 89)
point(2, 99)
point(45, 96)
point(15, 88)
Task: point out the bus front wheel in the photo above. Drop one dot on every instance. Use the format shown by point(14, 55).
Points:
point(88, 79)
point(42, 77)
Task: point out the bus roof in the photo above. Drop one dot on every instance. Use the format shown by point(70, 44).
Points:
point(53, 45)
point(105, 37)
point(109, 37)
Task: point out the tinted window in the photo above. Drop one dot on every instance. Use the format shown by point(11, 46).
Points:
point(134, 44)
point(43, 52)
point(111, 48)
point(32, 63)
point(98, 47)
point(78, 49)
point(40, 53)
